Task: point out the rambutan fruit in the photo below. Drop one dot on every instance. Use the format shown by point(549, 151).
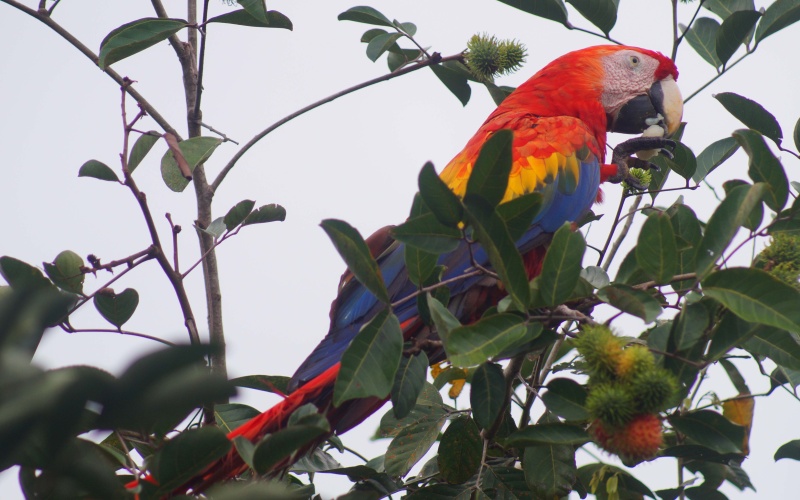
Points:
point(638, 441)
point(612, 404)
point(602, 351)
point(653, 390)
point(634, 360)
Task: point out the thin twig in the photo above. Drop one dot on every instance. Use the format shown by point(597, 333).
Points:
point(175, 231)
point(148, 252)
point(122, 332)
point(683, 35)
point(440, 284)
point(625, 229)
point(217, 242)
point(599, 35)
point(510, 373)
point(613, 228)
point(436, 58)
point(225, 138)
point(714, 79)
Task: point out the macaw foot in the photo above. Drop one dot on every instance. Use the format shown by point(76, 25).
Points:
point(625, 162)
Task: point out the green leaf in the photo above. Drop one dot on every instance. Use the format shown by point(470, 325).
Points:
point(460, 451)
point(472, 345)
point(275, 448)
point(684, 163)
point(356, 254)
point(397, 60)
point(689, 327)
point(186, 455)
point(256, 8)
point(444, 204)
point(778, 15)
point(443, 319)
point(370, 362)
point(731, 331)
point(116, 308)
point(764, 167)
point(65, 271)
point(420, 264)
point(487, 394)
point(518, 213)
point(489, 177)
point(627, 486)
point(656, 252)
point(429, 406)
point(734, 32)
point(238, 213)
point(408, 383)
point(507, 482)
point(243, 18)
point(789, 450)
point(562, 265)
point(549, 433)
point(230, 416)
point(713, 156)
point(567, 399)
point(196, 151)
point(266, 213)
point(98, 170)
point(711, 430)
point(141, 147)
point(595, 276)
point(380, 44)
point(366, 15)
point(631, 301)
point(778, 345)
point(797, 135)
point(601, 13)
point(755, 296)
point(455, 82)
point(426, 233)
point(498, 94)
point(724, 8)
point(553, 10)
point(21, 275)
point(506, 261)
point(268, 383)
point(412, 442)
point(134, 37)
point(752, 114)
point(550, 470)
point(724, 223)
point(702, 37)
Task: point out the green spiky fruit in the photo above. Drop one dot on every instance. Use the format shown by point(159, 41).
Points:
point(634, 360)
point(611, 404)
point(602, 351)
point(653, 390)
point(488, 57)
point(512, 56)
point(782, 258)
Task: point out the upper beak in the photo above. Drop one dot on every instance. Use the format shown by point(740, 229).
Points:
point(662, 105)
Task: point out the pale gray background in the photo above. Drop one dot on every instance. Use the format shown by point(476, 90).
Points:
point(356, 159)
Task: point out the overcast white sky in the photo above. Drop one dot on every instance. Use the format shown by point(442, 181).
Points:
point(356, 159)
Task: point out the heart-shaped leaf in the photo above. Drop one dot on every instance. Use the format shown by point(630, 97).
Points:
point(116, 308)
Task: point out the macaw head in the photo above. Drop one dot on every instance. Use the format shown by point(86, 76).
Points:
point(611, 88)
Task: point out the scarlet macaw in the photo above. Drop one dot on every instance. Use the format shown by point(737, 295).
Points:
point(559, 118)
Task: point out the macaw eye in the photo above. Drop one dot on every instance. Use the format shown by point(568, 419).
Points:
point(634, 61)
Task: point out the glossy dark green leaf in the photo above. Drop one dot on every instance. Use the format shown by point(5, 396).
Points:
point(266, 213)
point(548, 9)
point(567, 399)
point(549, 433)
point(65, 271)
point(370, 362)
point(735, 376)
point(408, 383)
point(196, 151)
point(656, 251)
point(380, 44)
point(764, 167)
point(141, 147)
point(751, 114)
point(684, 162)
point(420, 264)
point(472, 345)
point(601, 13)
point(274, 19)
point(789, 450)
point(562, 265)
point(713, 156)
point(487, 394)
point(498, 94)
point(756, 296)
point(277, 447)
point(724, 8)
point(702, 37)
point(268, 383)
point(689, 327)
point(443, 319)
point(256, 8)
point(734, 32)
point(697, 452)
point(356, 254)
point(730, 331)
point(429, 406)
point(753, 222)
point(232, 415)
point(778, 345)
point(779, 14)
point(724, 223)
point(441, 201)
point(116, 308)
point(396, 60)
point(426, 233)
point(518, 213)
point(186, 455)
point(710, 429)
point(797, 135)
point(489, 177)
point(366, 15)
point(508, 483)
point(21, 275)
point(136, 36)
point(631, 301)
point(412, 442)
point(238, 213)
point(506, 261)
point(455, 82)
point(460, 451)
point(550, 470)
point(98, 170)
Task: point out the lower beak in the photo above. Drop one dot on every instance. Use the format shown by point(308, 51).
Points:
point(661, 106)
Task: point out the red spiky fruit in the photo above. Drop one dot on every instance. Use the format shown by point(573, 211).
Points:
point(637, 441)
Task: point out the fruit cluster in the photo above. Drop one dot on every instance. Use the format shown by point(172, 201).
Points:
point(626, 392)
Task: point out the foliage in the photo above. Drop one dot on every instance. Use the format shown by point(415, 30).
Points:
point(640, 401)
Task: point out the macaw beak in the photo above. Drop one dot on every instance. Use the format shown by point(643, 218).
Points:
point(661, 106)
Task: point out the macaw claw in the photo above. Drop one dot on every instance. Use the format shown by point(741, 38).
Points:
point(625, 162)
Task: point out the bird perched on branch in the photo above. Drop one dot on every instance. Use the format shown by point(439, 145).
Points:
point(559, 119)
